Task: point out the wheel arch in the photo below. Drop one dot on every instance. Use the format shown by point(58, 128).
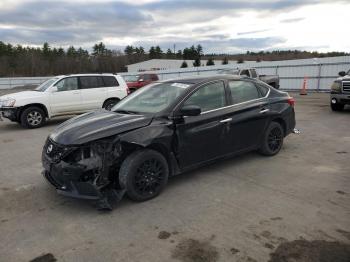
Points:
point(282, 123)
point(39, 105)
point(110, 99)
point(158, 147)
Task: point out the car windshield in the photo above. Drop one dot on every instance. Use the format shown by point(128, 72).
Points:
point(46, 84)
point(131, 78)
point(151, 99)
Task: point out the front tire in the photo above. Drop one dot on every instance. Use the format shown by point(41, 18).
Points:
point(144, 174)
point(33, 117)
point(337, 107)
point(272, 140)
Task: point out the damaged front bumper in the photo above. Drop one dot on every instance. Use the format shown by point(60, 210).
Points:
point(9, 112)
point(85, 172)
point(66, 181)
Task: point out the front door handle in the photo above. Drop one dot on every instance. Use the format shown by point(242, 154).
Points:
point(264, 111)
point(226, 120)
point(76, 92)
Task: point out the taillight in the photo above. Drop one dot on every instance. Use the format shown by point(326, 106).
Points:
point(291, 101)
point(128, 90)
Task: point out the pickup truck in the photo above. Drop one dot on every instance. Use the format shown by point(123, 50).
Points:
point(272, 80)
point(340, 91)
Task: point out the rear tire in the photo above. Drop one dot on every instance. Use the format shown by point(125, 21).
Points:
point(337, 107)
point(33, 117)
point(272, 140)
point(144, 174)
point(109, 104)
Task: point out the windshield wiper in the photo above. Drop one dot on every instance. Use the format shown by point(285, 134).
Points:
point(126, 112)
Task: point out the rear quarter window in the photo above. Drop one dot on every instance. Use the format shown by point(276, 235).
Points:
point(243, 91)
point(263, 90)
point(87, 82)
point(110, 81)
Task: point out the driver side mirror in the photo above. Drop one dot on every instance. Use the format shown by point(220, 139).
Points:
point(53, 89)
point(190, 110)
point(141, 80)
point(342, 73)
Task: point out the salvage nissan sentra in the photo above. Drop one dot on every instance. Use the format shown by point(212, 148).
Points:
point(162, 130)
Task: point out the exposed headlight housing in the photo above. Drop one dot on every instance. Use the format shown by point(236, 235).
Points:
point(9, 102)
point(336, 86)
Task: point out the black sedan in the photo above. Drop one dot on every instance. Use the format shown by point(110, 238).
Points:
point(162, 130)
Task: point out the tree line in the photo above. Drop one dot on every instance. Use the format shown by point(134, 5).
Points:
point(18, 60)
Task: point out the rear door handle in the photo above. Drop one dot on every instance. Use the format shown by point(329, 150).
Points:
point(264, 111)
point(226, 120)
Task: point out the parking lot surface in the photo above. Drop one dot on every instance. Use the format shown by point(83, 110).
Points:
point(242, 209)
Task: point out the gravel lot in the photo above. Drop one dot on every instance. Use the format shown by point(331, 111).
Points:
point(249, 208)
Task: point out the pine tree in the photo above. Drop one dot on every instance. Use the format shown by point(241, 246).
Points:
point(184, 64)
point(197, 62)
point(152, 53)
point(210, 62)
point(225, 61)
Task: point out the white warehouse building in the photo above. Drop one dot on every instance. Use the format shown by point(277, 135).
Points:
point(166, 64)
point(319, 72)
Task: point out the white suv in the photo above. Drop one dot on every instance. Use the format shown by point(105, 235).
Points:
point(63, 95)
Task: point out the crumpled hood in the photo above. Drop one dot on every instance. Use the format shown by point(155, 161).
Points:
point(21, 95)
point(96, 125)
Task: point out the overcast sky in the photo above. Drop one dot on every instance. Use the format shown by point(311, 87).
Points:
point(221, 26)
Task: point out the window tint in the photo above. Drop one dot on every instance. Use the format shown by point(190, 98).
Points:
point(253, 72)
point(110, 81)
point(146, 77)
point(67, 84)
point(154, 77)
point(263, 90)
point(245, 72)
point(242, 91)
point(91, 82)
point(209, 97)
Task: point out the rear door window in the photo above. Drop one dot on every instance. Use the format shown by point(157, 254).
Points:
point(243, 91)
point(87, 82)
point(209, 97)
point(110, 81)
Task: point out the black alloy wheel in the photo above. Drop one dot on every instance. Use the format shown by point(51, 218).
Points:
point(275, 139)
point(272, 141)
point(149, 176)
point(144, 174)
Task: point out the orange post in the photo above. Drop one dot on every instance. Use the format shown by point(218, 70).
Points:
point(303, 89)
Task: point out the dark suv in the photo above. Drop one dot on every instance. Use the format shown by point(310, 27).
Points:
point(162, 130)
point(135, 82)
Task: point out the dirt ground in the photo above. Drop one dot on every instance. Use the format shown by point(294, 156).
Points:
point(292, 207)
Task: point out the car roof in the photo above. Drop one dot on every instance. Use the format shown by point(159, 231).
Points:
point(200, 79)
point(87, 74)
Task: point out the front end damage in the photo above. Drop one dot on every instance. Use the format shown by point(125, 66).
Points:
point(89, 171)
